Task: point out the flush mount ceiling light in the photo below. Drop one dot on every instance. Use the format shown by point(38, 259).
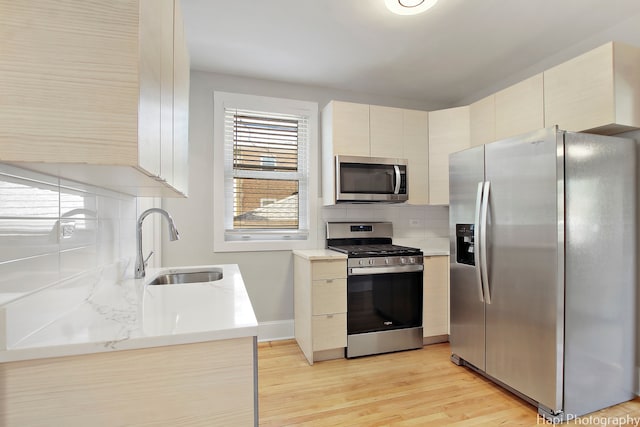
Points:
point(409, 7)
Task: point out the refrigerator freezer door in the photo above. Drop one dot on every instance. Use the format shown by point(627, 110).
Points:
point(524, 327)
point(466, 170)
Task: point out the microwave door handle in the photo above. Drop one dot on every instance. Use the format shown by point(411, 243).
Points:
point(396, 190)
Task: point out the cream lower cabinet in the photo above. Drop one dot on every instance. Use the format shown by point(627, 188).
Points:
point(89, 92)
point(320, 305)
point(435, 310)
point(201, 384)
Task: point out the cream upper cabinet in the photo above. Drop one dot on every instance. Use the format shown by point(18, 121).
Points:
point(88, 91)
point(403, 133)
point(415, 131)
point(386, 130)
point(435, 312)
point(345, 128)
point(512, 111)
point(376, 131)
point(449, 131)
point(482, 121)
point(598, 91)
point(520, 108)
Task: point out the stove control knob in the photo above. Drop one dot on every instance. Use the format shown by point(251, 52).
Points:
point(372, 261)
point(412, 260)
point(361, 262)
point(403, 260)
point(386, 260)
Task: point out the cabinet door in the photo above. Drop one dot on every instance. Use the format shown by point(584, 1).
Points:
point(482, 121)
point(597, 91)
point(166, 13)
point(416, 151)
point(180, 106)
point(329, 331)
point(435, 314)
point(350, 128)
point(150, 81)
point(321, 270)
point(386, 126)
point(69, 96)
point(520, 108)
point(448, 133)
point(329, 296)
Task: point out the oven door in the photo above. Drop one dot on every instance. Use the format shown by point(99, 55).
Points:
point(384, 298)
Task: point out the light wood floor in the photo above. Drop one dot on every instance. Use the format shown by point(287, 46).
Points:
point(411, 388)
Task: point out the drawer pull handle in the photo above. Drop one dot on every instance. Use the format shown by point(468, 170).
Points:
point(329, 280)
point(329, 316)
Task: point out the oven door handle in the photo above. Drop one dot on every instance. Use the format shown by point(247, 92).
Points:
point(360, 271)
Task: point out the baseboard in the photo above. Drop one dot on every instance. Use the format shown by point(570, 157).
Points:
point(275, 330)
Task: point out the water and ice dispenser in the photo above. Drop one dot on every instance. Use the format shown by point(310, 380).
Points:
point(465, 250)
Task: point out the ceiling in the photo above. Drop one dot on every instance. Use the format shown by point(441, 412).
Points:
point(455, 50)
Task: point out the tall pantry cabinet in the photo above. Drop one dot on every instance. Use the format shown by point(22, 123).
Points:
point(96, 92)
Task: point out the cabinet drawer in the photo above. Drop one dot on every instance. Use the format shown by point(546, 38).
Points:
point(328, 269)
point(329, 296)
point(329, 331)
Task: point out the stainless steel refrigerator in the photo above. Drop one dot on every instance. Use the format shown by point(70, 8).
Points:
point(543, 267)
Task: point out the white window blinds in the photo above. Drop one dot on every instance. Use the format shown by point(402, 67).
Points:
point(265, 174)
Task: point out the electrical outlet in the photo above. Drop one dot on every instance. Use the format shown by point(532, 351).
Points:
point(415, 223)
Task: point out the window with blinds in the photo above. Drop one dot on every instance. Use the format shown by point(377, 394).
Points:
point(265, 172)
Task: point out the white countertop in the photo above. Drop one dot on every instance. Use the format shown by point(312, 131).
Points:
point(319, 254)
point(131, 315)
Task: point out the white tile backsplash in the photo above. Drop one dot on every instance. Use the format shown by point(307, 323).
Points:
point(409, 221)
point(53, 230)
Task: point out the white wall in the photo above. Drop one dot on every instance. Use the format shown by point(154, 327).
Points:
point(268, 275)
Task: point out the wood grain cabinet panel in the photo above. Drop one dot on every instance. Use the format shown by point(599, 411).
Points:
point(482, 121)
point(449, 131)
point(520, 108)
point(435, 315)
point(386, 131)
point(597, 92)
point(88, 91)
point(203, 384)
point(349, 128)
point(329, 296)
point(320, 307)
point(415, 148)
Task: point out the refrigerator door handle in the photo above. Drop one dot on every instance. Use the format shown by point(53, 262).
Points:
point(483, 242)
point(476, 239)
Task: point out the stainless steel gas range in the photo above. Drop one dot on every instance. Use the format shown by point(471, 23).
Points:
point(384, 288)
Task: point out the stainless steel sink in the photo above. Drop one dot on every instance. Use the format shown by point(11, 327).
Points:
point(187, 277)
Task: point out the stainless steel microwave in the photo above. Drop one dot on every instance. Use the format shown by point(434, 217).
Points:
point(370, 179)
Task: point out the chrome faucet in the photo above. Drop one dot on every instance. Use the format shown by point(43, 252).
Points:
point(141, 262)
